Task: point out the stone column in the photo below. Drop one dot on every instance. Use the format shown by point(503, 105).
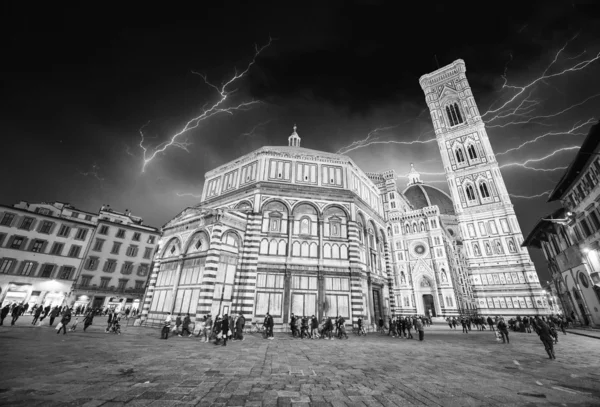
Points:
point(320, 294)
point(389, 273)
point(290, 232)
point(287, 296)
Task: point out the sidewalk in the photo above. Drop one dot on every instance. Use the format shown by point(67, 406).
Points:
point(589, 332)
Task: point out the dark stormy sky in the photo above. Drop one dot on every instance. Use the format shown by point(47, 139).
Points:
point(78, 83)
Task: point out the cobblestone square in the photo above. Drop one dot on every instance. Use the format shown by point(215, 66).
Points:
point(449, 368)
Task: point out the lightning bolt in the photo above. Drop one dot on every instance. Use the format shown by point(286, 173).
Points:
point(188, 194)
point(207, 112)
point(93, 172)
point(543, 117)
point(575, 127)
point(252, 132)
point(531, 196)
point(371, 139)
point(520, 90)
point(535, 160)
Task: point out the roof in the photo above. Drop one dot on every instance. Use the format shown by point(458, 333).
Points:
point(534, 237)
point(422, 195)
point(585, 154)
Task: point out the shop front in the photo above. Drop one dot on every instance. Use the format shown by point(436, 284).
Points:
point(17, 293)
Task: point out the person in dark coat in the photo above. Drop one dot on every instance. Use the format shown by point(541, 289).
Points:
point(546, 337)
point(36, 316)
point(239, 327)
point(268, 323)
point(53, 314)
point(503, 329)
point(16, 313)
point(87, 321)
point(186, 326)
point(65, 321)
point(293, 325)
point(4, 313)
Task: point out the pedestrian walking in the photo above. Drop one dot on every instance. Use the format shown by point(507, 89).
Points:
point(164, 333)
point(421, 329)
point(503, 329)
point(546, 337)
point(3, 313)
point(36, 315)
point(87, 321)
point(239, 327)
point(66, 318)
point(186, 326)
point(16, 313)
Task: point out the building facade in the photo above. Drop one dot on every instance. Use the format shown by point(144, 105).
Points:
point(116, 263)
point(502, 275)
point(41, 248)
point(570, 236)
point(290, 230)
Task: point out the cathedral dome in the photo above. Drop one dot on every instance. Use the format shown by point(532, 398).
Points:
point(421, 195)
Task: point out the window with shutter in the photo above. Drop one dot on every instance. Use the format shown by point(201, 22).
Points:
point(26, 223)
point(47, 270)
point(7, 219)
point(17, 242)
point(6, 265)
point(46, 226)
point(57, 249)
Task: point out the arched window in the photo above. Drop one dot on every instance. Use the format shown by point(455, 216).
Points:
point(476, 249)
point(472, 152)
point(483, 188)
point(450, 118)
point(460, 157)
point(305, 226)
point(360, 232)
point(407, 228)
point(275, 222)
point(499, 248)
point(511, 246)
point(555, 245)
point(422, 227)
point(470, 193)
point(414, 228)
point(453, 113)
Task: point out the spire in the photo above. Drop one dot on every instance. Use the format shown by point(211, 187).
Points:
point(294, 139)
point(413, 176)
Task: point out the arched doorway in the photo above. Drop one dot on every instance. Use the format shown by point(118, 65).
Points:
point(425, 297)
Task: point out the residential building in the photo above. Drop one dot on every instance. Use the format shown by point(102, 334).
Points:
point(570, 236)
point(41, 248)
point(117, 262)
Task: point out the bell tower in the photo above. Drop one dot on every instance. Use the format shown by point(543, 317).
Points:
point(502, 274)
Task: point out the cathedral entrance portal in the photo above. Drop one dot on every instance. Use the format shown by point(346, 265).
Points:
point(429, 305)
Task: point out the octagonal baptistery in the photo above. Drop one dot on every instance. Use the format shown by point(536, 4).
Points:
point(298, 231)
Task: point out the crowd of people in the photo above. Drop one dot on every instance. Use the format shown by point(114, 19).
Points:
point(65, 314)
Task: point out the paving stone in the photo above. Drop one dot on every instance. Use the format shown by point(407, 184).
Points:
point(448, 368)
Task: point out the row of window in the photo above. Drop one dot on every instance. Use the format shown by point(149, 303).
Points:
point(122, 234)
point(511, 302)
point(503, 278)
point(110, 265)
point(29, 268)
point(583, 228)
point(132, 250)
point(276, 247)
point(494, 247)
point(404, 301)
point(333, 225)
point(587, 182)
point(489, 227)
point(105, 283)
point(38, 246)
point(414, 227)
point(45, 226)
